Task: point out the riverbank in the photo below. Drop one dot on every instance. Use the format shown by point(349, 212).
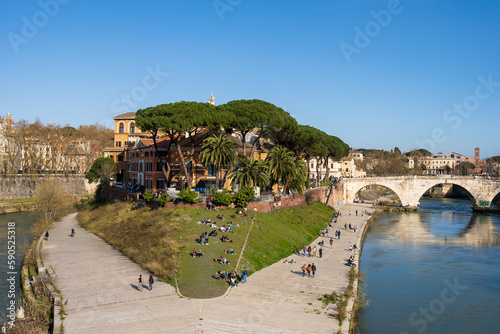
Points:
point(99, 286)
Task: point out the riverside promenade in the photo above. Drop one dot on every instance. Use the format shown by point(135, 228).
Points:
point(100, 295)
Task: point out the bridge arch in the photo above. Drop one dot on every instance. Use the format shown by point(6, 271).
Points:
point(431, 185)
point(496, 193)
point(358, 188)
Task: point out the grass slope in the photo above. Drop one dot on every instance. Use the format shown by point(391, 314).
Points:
point(161, 240)
point(275, 235)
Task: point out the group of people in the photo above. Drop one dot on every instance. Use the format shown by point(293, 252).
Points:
point(232, 276)
point(351, 262)
point(222, 260)
point(224, 238)
point(244, 212)
point(204, 238)
point(351, 227)
point(198, 253)
point(141, 282)
point(335, 216)
point(310, 269)
point(312, 251)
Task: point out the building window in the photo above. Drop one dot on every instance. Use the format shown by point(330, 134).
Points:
point(140, 166)
point(118, 144)
point(132, 127)
point(212, 170)
point(160, 184)
point(147, 154)
point(121, 128)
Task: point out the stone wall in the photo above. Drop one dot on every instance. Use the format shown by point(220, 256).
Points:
point(318, 194)
point(13, 186)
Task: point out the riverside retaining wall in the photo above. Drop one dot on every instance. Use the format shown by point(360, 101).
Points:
point(14, 186)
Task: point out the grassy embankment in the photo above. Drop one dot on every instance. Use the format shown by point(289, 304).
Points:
point(161, 240)
point(16, 201)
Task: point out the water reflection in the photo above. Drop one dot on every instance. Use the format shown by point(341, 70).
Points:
point(414, 228)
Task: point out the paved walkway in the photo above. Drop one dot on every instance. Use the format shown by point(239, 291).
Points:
point(99, 287)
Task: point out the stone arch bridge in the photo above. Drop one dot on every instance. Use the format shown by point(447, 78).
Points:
point(480, 190)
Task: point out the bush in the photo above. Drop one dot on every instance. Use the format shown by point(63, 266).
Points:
point(309, 198)
point(244, 196)
point(222, 198)
point(164, 198)
point(148, 195)
point(189, 196)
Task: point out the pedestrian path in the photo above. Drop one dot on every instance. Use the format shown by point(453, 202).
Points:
point(99, 288)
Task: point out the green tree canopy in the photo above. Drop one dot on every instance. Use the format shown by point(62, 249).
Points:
point(281, 166)
point(250, 114)
point(102, 170)
point(218, 150)
point(175, 120)
point(249, 172)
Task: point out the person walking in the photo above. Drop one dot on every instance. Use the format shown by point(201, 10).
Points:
point(304, 268)
point(151, 281)
point(339, 235)
point(47, 235)
point(356, 212)
point(321, 252)
point(309, 268)
point(304, 250)
point(349, 213)
point(309, 250)
point(331, 242)
point(139, 283)
point(313, 269)
point(314, 251)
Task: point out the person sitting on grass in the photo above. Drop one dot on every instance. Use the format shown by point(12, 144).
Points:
point(230, 251)
point(223, 228)
point(233, 281)
point(225, 239)
point(200, 253)
point(220, 274)
point(222, 260)
point(213, 233)
point(194, 254)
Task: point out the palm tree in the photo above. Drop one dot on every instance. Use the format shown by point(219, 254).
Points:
point(281, 165)
point(250, 172)
point(299, 181)
point(218, 150)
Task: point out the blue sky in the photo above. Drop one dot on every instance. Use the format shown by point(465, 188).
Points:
point(377, 74)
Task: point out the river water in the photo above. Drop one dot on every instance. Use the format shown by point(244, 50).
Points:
point(23, 222)
point(433, 271)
